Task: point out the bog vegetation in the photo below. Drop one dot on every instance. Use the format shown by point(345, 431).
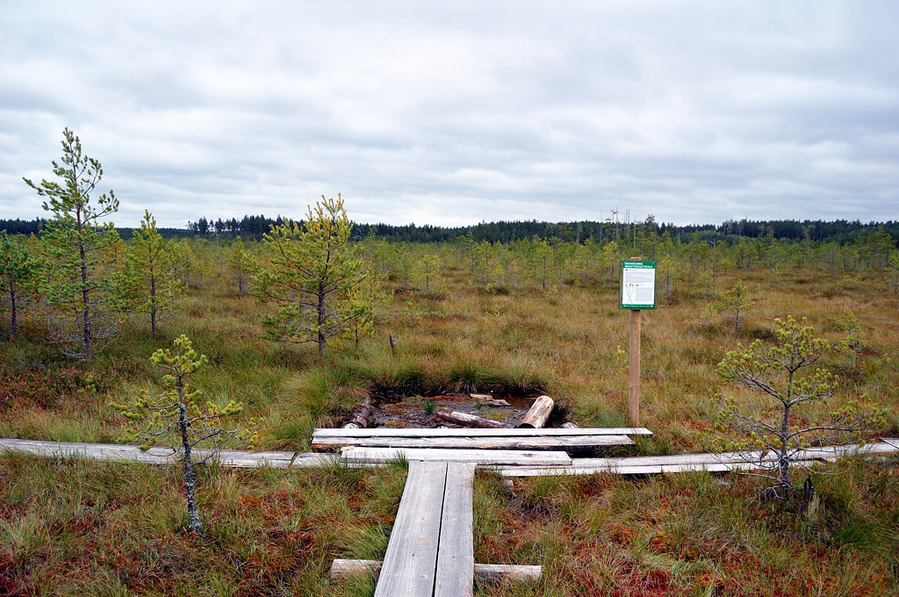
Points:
point(519, 317)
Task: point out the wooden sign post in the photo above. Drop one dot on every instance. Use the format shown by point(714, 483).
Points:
point(638, 292)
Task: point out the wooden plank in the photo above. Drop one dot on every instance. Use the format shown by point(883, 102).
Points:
point(243, 459)
point(323, 432)
point(481, 457)
point(342, 569)
point(581, 443)
point(410, 562)
point(455, 555)
point(84, 450)
point(730, 461)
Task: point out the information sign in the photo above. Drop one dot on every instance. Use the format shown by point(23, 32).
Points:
point(638, 285)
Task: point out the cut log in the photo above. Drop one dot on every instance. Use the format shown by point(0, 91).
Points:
point(459, 418)
point(538, 413)
point(362, 419)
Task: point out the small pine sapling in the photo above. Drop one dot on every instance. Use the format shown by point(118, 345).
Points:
point(779, 371)
point(852, 343)
point(178, 417)
point(18, 275)
point(734, 304)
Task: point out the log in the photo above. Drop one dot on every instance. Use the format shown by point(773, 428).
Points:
point(363, 417)
point(459, 418)
point(538, 413)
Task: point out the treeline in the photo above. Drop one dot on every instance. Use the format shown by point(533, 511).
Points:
point(841, 231)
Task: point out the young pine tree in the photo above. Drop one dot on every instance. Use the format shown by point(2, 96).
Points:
point(782, 373)
point(313, 270)
point(243, 264)
point(149, 281)
point(179, 418)
point(18, 271)
point(78, 286)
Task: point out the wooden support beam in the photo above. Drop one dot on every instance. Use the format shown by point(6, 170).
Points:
point(342, 569)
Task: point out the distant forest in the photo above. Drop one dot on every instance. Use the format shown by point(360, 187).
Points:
point(840, 231)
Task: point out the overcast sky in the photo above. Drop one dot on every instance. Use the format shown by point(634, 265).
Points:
point(453, 113)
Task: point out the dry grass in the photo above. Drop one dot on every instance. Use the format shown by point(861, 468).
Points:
point(76, 527)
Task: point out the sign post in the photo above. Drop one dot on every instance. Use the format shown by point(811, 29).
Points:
point(638, 292)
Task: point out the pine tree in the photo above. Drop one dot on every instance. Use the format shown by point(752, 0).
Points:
point(313, 269)
point(149, 282)
point(178, 417)
point(78, 285)
point(243, 264)
point(18, 271)
point(779, 372)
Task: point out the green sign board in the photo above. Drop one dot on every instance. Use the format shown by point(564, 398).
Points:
point(638, 285)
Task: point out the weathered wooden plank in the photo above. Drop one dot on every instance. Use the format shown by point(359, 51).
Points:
point(410, 562)
point(84, 450)
point(243, 459)
point(581, 443)
point(481, 457)
point(455, 555)
point(648, 465)
point(342, 569)
point(893, 441)
point(324, 432)
point(162, 456)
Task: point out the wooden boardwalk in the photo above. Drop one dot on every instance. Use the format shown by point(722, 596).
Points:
point(569, 440)
point(430, 551)
point(431, 547)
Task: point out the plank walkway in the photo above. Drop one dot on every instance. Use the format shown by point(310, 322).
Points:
point(556, 463)
point(431, 547)
point(570, 440)
point(725, 462)
point(430, 550)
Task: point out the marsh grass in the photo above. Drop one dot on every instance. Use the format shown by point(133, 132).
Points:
point(81, 528)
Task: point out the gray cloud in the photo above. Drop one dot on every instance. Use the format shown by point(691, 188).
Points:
point(458, 113)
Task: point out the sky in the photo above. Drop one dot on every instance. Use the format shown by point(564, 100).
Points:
point(455, 113)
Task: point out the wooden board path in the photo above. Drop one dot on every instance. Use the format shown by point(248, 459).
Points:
point(731, 461)
point(431, 546)
point(162, 456)
point(580, 443)
point(570, 440)
point(459, 432)
point(479, 457)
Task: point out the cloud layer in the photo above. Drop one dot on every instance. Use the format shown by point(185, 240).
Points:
point(456, 113)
